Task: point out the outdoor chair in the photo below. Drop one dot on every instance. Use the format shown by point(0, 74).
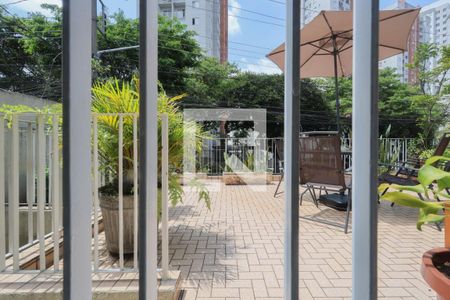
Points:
point(322, 169)
point(406, 173)
point(279, 153)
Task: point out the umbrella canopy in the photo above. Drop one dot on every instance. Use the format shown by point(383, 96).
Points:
point(333, 30)
point(327, 42)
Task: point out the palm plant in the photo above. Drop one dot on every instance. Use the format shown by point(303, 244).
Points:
point(115, 97)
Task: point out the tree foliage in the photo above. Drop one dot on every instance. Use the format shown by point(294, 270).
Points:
point(222, 85)
point(31, 52)
point(178, 51)
point(396, 103)
point(432, 64)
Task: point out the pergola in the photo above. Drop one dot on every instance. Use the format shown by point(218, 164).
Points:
point(77, 135)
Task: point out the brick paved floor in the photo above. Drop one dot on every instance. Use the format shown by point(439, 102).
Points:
point(235, 251)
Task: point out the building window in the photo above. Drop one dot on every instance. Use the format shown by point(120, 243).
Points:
point(166, 13)
point(195, 4)
point(194, 21)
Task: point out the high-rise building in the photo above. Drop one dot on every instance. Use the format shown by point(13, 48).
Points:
point(208, 18)
point(399, 62)
point(435, 24)
point(432, 26)
point(312, 8)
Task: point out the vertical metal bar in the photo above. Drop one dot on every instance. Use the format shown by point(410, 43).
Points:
point(336, 86)
point(94, 27)
point(49, 168)
point(406, 151)
point(61, 207)
point(365, 149)
point(120, 171)
point(30, 181)
point(165, 196)
point(55, 191)
point(291, 146)
point(40, 158)
point(2, 194)
point(135, 192)
point(95, 175)
point(14, 201)
point(148, 159)
point(77, 191)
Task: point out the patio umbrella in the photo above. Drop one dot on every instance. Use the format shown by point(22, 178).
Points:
point(327, 41)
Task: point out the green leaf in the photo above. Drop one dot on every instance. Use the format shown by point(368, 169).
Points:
point(412, 188)
point(425, 218)
point(428, 174)
point(382, 187)
point(408, 200)
point(443, 183)
point(434, 159)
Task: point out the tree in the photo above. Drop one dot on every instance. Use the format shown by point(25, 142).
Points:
point(209, 84)
point(178, 51)
point(30, 53)
point(31, 48)
point(395, 103)
point(217, 85)
point(431, 104)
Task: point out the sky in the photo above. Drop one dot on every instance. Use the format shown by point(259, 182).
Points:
point(255, 26)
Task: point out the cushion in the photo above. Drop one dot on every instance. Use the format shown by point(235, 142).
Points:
point(335, 201)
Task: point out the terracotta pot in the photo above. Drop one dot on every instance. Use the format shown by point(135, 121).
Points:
point(110, 213)
point(438, 281)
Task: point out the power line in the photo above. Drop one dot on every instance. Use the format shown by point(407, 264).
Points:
point(15, 2)
point(237, 16)
point(250, 11)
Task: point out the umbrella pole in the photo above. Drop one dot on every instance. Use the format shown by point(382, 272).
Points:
point(336, 85)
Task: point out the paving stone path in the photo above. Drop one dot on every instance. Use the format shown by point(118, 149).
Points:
point(235, 251)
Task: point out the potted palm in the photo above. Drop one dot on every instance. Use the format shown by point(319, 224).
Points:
point(434, 185)
point(109, 99)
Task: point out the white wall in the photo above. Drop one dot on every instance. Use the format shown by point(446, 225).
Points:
point(12, 98)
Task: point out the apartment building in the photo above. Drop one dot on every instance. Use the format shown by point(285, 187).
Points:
point(312, 8)
point(433, 26)
point(399, 62)
point(208, 18)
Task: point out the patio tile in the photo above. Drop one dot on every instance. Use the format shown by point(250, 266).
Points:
point(235, 251)
point(224, 292)
point(394, 292)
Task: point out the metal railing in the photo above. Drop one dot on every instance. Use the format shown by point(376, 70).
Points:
point(211, 160)
point(29, 154)
point(31, 199)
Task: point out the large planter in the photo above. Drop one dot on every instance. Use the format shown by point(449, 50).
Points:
point(110, 212)
point(243, 178)
point(436, 271)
